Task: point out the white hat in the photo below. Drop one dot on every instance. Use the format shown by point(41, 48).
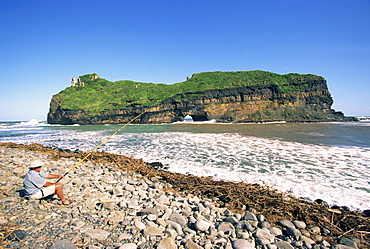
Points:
point(35, 164)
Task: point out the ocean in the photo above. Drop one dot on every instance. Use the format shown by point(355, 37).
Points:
point(328, 161)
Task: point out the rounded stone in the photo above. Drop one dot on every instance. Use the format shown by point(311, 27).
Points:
point(128, 246)
point(167, 243)
point(153, 231)
point(293, 231)
point(264, 234)
point(178, 218)
point(315, 230)
point(202, 225)
point(260, 217)
point(63, 244)
point(242, 244)
point(307, 240)
point(226, 228)
point(244, 225)
point(286, 223)
point(283, 245)
point(191, 245)
point(152, 217)
point(250, 216)
point(275, 231)
point(348, 242)
point(140, 225)
point(264, 224)
point(262, 241)
point(299, 224)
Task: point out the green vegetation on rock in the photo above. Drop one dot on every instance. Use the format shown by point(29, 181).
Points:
point(100, 94)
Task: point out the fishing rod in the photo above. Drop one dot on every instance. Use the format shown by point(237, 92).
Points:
point(97, 147)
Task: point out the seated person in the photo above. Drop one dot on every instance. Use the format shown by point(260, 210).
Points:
point(36, 187)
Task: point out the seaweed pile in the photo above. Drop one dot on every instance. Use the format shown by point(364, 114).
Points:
point(236, 196)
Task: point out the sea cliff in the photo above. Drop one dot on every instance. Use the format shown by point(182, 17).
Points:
point(236, 97)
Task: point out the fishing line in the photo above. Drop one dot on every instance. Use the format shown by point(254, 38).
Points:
point(97, 147)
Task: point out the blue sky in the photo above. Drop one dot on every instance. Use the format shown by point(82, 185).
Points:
point(44, 43)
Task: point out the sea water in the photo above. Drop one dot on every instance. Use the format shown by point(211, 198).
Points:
point(328, 161)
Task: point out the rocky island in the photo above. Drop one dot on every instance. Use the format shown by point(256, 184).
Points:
point(229, 97)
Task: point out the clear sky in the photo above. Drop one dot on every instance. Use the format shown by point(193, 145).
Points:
point(43, 43)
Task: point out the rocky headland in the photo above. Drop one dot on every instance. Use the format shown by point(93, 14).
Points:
point(233, 97)
point(122, 202)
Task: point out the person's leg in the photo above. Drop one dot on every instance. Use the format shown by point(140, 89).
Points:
point(58, 190)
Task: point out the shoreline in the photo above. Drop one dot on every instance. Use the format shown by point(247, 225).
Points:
point(238, 198)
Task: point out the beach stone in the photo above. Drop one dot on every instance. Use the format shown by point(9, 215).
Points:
point(192, 245)
point(317, 237)
point(3, 220)
point(128, 246)
point(262, 241)
point(341, 246)
point(78, 224)
point(163, 199)
point(124, 236)
point(260, 218)
point(298, 244)
point(299, 224)
point(153, 231)
point(134, 204)
point(264, 234)
point(117, 191)
point(242, 244)
point(244, 225)
point(20, 234)
point(167, 243)
point(293, 231)
point(226, 229)
point(307, 240)
point(130, 188)
point(175, 225)
point(208, 244)
point(63, 244)
point(148, 211)
point(178, 218)
point(325, 231)
point(194, 199)
point(202, 225)
point(140, 225)
point(348, 242)
point(242, 234)
point(283, 245)
point(152, 217)
point(231, 219)
point(286, 223)
point(325, 243)
point(161, 222)
point(315, 230)
point(98, 234)
point(250, 216)
point(264, 224)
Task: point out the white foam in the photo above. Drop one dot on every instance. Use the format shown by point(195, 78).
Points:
point(30, 122)
point(339, 175)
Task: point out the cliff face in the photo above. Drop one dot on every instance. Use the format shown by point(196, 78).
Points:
point(259, 103)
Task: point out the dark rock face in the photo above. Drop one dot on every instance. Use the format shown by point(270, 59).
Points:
point(266, 103)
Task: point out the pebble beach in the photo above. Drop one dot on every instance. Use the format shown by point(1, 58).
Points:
point(113, 207)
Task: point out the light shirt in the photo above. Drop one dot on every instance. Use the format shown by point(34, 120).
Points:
point(33, 181)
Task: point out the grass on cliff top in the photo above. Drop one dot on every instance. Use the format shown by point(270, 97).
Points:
point(101, 94)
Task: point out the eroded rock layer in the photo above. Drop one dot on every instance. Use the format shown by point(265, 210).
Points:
point(310, 101)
